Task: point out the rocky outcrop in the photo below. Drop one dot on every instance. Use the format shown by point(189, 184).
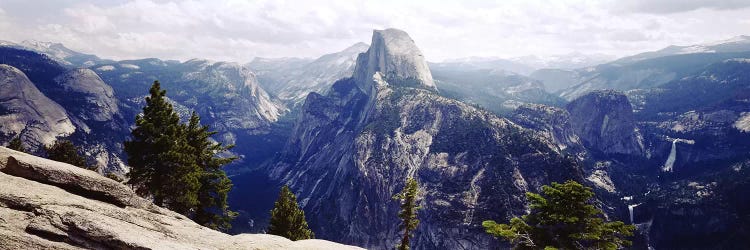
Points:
point(604, 122)
point(51, 205)
point(26, 111)
point(395, 55)
point(95, 100)
point(551, 121)
point(351, 151)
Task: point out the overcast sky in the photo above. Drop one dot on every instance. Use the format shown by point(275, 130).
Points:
point(241, 30)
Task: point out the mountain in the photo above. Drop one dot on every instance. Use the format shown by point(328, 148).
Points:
point(497, 91)
point(604, 121)
point(653, 69)
point(573, 60)
point(291, 79)
point(57, 52)
point(523, 65)
point(555, 80)
point(354, 147)
point(27, 112)
point(482, 63)
point(100, 103)
point(735, 44)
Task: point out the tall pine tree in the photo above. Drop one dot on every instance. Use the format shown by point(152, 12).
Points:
point(65, 151)
point(287, 219)
point(562, 217)
point(212, 210)
point(408, 213)
point(161, 161)
point(16, 144)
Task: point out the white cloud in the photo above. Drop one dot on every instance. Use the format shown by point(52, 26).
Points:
point(240, 30)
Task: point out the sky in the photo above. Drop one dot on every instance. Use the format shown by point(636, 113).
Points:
point(241, 30)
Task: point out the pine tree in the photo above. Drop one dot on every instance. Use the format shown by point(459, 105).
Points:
point(212, 210)
point(161, 161)
point(408, 213)
point(65, 151)
point(562, 217)
point(287, 219)
point(16, 144)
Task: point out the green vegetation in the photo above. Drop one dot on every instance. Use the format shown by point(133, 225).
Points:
point(176, 164)
point(287, 219)
point(65, 151)
point(562, 218)
point(16, 144)
point(213, 210)
point(408, 213)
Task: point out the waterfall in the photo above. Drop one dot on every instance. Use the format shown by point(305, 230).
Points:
point(630, 211)
point(669, 164)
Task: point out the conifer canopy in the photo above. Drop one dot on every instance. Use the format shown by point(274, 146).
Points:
point(287, 219)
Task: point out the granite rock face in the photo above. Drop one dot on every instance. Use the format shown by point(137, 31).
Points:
point(395, 55)
point(604, 121)
point(51, 205)
point(351, 151)
point(26, 111)
point(96, 100)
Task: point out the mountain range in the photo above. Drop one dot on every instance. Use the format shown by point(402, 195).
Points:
point(663, 137)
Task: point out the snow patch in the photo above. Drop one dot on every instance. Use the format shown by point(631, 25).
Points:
point(743, 123)
point(129, 66)
point(739, 60)
point(106, 68)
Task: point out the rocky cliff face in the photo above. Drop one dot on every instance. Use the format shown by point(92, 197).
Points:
point(234, 97)
point(604, 121)
point(554, 122)
point(52, 205)
point(95, 100)
point(393, 54)
point(352, 149)
point(25, 111)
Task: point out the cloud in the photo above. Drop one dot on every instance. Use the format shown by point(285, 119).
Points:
point(240, 30)
point(676, 6)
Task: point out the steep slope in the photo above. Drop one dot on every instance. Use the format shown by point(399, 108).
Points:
point(604, 121)
point(51, 205)
point(352, 149)
point(25, 111)
point(292, 79)
point(95, 100)
point(393, 54)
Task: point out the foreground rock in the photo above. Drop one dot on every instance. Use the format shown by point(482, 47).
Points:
point(51, 205)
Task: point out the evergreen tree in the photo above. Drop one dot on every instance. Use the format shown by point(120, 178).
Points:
point(562, 217)
point(212, 210)
point(65, 151)
point(161, 161)
point(287, 219)
point(16, 144)
point(408, 213)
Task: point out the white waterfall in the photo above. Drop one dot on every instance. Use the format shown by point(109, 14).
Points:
point(630, 211)
point(669, 164)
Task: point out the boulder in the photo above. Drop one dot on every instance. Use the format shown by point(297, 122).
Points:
point(51, 205)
